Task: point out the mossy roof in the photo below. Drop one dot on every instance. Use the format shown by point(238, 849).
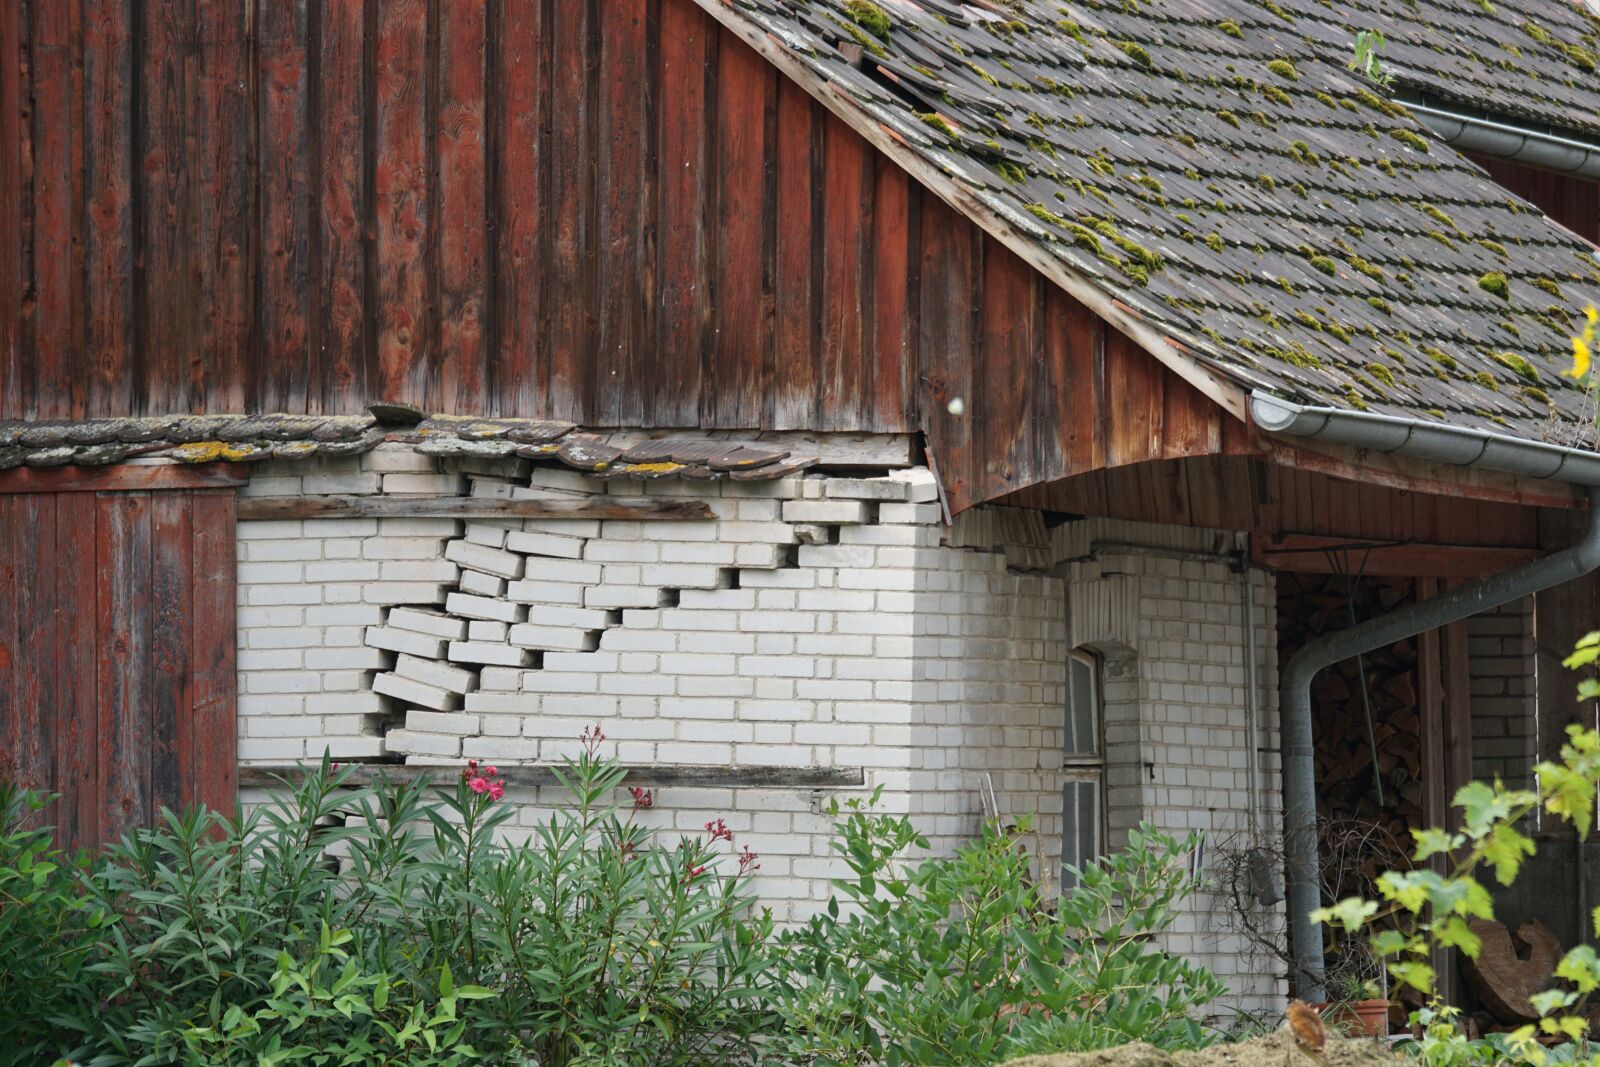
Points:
point(1276, 213)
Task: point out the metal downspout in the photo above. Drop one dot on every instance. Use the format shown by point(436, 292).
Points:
point(1299, 765)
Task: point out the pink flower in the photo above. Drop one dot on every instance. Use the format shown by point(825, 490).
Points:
point(747, 861)
point(496, 790)
point(478, 785)
point(695, 872)
point(719, 830)
point(642, 798)
point(490, 771)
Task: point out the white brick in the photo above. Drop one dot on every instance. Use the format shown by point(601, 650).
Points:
point(484, 630)
point(623, 596)
point(439, 722)
point(481, 607)
point(432, 672)
point(480, 533)
point(479, 584)
point(492, 652)
point(545, 569)
point(684, 575)
point(866, 489)
point(431, 484)
point(343, 659)
point(528, 635)
point(536, 543)
point(268, 595)
point(395, 639)
point(437, 571)
point(428, 622)
point(483, 558)
point(404, 741)
point(271, 750)
point(411, 691)
point(567, 481)
point(909, 513)
point(501, 749)
point(351, 483)
point(382, 548)
point(396, 456)
point(582, 618)
point(920, 484)
point(560, 593)
point(831, 512)
point(354, 746)
point(344, 615)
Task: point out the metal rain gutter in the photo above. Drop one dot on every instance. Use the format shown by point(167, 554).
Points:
point(1535, 147)
point(1430, 441)
point(1419, 440)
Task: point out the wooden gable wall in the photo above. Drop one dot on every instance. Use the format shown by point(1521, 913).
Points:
point(614, 213)
point(1572, 201)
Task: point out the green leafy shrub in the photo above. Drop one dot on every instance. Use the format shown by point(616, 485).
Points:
point(963, 960)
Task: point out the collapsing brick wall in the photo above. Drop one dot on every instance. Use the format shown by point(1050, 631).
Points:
point(819, 622)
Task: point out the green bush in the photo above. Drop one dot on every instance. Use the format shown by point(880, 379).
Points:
point(392, 925)
point(963, 960)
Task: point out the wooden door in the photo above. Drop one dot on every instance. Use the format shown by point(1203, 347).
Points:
point(117, 680)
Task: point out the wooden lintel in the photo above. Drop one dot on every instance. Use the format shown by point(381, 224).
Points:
point(750, 776)
point(1397, 472)
point(466, 507)
point(1309, 553)
point(125, 477)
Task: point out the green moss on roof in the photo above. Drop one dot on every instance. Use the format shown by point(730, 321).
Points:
point(1230, 118)
point(1072, 29)
point(1379, 303)
point(1517, 365)
point(1536, 31)
point(1494, 246)
point(938, 122)
point(1436, 213)
point(1548, 285)
point(1278, 11)
point(1325, 265)
point(1266, 182)
point(1485, 379)
point(1379, 104)
point(1494, 283)
point(1370, 269)
point(1413, 140)
point(1230, 27)
point(1010, 171)
point(1326, 99)
point(1136, 52)
point(1381, 373)
point(1440, 356)
point(870, 17)
point(1302, 151)
point(1534, 393)
point(1153, 184)
point(1214, 242)
point(1283, 68)
point(1277, 95)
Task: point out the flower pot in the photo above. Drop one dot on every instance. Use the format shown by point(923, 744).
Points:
point(1359, 1018)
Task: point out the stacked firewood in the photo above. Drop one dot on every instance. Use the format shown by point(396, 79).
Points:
point(1312, 605)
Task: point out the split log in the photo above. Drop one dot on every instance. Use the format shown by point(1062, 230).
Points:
point(1509, 971)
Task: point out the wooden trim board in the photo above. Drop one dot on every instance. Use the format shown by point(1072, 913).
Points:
point(750, 776)
point(127, 477)
point(465, 507)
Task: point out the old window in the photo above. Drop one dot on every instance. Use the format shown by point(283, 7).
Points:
point(1082, 767)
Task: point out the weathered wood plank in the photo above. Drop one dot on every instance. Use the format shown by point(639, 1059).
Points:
point(226, 210)
point(624, 174)
point(77, 727)
point(122, 656)
point(951, 261)
point(125, 477)
point(847, 280)
point(164, 268)
point(346, 507)
point(463, 232)
point(688, 58)
point(891, 395)
point(13, 206)
point(108, 236)
point(287, 377)
point(797, 326)
point(517, 169)
point(171, 624)
point(572, 262)
point(33, 543)
point(659, 774)
point(342, 159)
point(403, 327)
point(58, 372)
point(10, 650)
point(741, 336)
point(212, 732)
point(1309, 553)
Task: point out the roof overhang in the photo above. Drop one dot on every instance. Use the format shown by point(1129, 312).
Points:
point(1493, 135)
point(1428, 442)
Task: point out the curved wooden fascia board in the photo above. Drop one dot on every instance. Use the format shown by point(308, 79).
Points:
point(1231, 397)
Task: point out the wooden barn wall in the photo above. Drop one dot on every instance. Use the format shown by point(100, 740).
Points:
point(614, 213)
point(117, 681)
point(1572, 201)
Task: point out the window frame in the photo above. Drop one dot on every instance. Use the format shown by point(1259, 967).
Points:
point(1082, 767)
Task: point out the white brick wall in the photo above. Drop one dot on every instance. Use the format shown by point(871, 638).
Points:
point(815, 622)
point(1171, 633)
point(1500, 655)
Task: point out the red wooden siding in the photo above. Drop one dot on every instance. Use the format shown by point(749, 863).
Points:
point(117, 681)
point(1572, 201)
point(610, 212)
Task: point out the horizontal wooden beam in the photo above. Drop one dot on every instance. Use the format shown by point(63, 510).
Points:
point(126, 477)
point(465, 507)
point(1307, 553)
point(752, 776)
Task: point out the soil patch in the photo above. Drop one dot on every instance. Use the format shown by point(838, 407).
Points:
point(1274, 1050)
